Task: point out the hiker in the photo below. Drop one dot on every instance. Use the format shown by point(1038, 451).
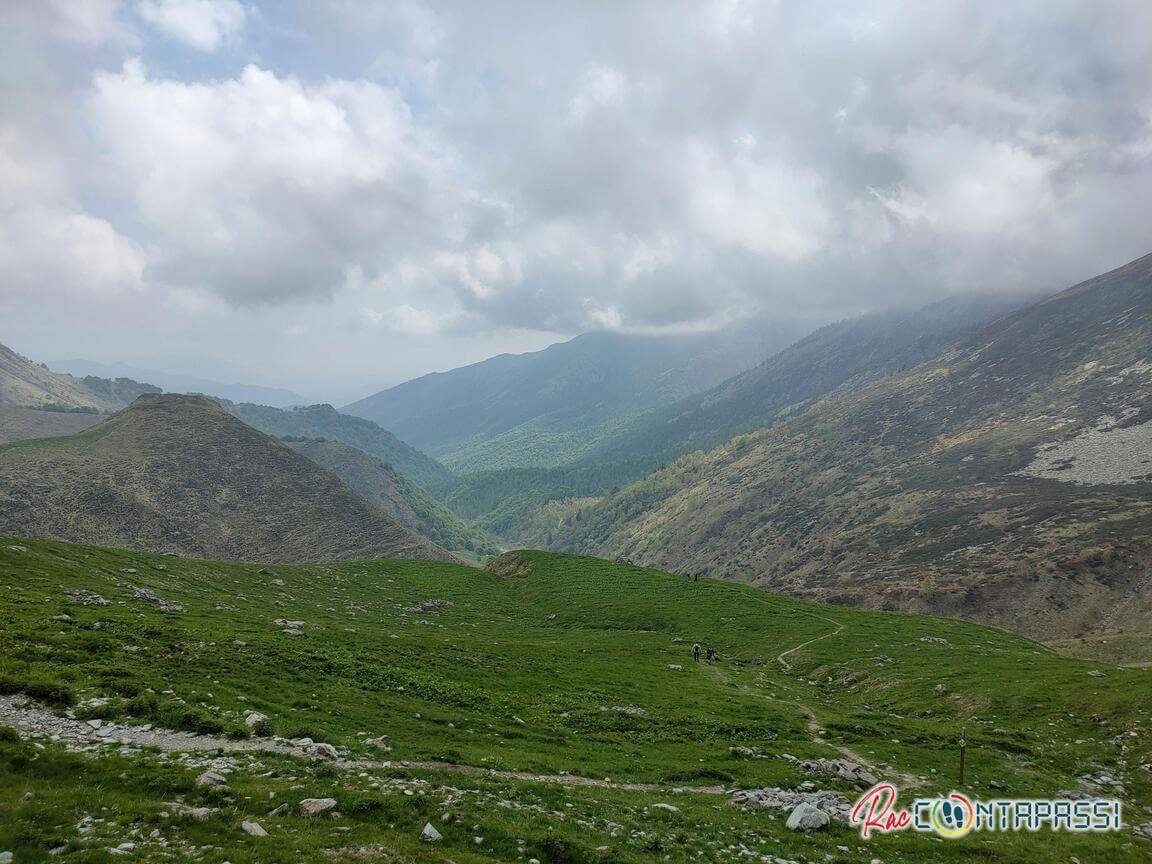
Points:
point(696, 652)
point(711, 653)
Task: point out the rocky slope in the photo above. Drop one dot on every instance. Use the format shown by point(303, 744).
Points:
point(1007, 480)
point(179, 474)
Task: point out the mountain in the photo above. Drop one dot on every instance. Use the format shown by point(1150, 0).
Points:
point(32, 385)
point(396, 495)
point(835, 359)
point(179, 474)
point(324, 421)
point(174, 383)
point(1007, 480)
point(547, 408)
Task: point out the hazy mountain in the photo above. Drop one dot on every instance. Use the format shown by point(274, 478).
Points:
point(28, 384)
point(835, 359)
point(838, 358)
point(396, 495)
point(548, 407)
point(1008, 479)
point(324, 421)
point(179, 474)
point(19, 424)
point(175, 383)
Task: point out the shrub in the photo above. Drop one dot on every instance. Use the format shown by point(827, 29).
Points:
point(50, 692)
point(264, 729)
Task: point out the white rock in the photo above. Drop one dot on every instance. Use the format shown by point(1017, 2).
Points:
point(430, 834)
point(211, 778)
point(669, 807)
point(253, 828)
point(253, 718)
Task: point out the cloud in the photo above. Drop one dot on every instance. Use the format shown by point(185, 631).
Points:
point(445, 168)
point(201, 24)
point(263, 189)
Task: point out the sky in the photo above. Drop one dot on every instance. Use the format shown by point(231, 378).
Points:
point(338, 195)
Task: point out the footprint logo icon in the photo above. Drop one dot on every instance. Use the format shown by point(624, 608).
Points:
point(951, 817)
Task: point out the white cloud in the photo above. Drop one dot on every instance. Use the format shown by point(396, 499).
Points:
point(51, 245)
point(262, 188)
point(600, 87)
point(201, 24)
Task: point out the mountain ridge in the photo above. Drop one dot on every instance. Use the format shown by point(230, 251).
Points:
point(179, 474)
point(930, 491)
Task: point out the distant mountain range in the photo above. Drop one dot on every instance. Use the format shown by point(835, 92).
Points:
point(33, 385)
point(324, 421)
point(174, 383)
point(829, 363)
point(549, 407)
point(179, 474)
point(1007, 479)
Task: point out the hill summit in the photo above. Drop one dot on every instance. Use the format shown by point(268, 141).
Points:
point(180, 474)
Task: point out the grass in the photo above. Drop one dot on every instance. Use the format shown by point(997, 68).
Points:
point(526, 670)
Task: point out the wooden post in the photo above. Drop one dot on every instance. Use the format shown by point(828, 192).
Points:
point(962, 745)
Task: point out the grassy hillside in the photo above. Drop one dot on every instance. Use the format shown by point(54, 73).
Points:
point(32, 385)
point(324, 421)
point(504, 501)
point(547, 408)
point(543, 664)
point(19, 424)
point(396, 495)
point(178, 474)
point(1005, 481)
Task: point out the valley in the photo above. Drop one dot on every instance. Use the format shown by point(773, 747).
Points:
point(548, 705)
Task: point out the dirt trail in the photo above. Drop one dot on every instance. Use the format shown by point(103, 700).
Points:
point(26, 716)
point(813, 725)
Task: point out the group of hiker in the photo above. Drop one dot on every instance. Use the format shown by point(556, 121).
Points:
point(696, 653)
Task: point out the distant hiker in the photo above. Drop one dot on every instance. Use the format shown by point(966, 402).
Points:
point(711, 653)
point(696, 652)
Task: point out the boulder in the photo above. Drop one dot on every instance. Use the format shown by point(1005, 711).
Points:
point(430, 834)
point(805, 817)
point(324, 751)
point(316, 806)
point(254, 829)
point(254, 718)
point(211, 778)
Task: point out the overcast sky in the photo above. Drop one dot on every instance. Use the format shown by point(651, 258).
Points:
point(335, 193)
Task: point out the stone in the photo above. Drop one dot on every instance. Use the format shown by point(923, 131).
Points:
point(254, 718)
point(807, 818)
point(211, 778)
point(675, 667)
point(430, 834)
point(6, 857)
point(198, 813)
point(316, 806)
point(324, 751)
point(671, 808)
point(86, 598)
point(254, 829)
point(279, 811)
